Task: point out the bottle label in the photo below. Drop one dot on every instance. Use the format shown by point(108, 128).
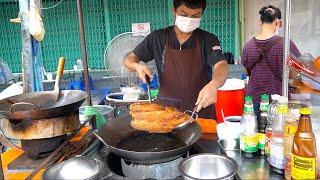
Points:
point(261, 141)
point(282, 109)
point(289, 130)
point(264, 106)
point(302, 167)
point(287, 167)
point(249, 143)
point(267, 143)
point(277, 159)
point(248, 108)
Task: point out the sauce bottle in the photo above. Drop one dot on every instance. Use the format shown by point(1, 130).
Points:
point(248, 137)
point(290, 129)
point(262, 123)
point(304, 151)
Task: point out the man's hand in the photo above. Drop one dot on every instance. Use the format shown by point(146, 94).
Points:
point(132, 63)
point(207, 96)
point(142, 71)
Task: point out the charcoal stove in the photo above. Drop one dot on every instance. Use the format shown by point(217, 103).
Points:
point(118, 168)
point(40, 137)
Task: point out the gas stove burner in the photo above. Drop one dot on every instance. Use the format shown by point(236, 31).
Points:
point(118, 168)
point(166, 170)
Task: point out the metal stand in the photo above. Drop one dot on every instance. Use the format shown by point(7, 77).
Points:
point(26, 53)
point(84, 51)
point(286, 49)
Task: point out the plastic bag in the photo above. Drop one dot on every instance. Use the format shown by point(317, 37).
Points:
point(307, 66)
point(303, 64)
point(36, 28)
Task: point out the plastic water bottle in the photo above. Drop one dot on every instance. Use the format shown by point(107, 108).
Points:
point(277, 159)
point(249, 136)
point(272, 112)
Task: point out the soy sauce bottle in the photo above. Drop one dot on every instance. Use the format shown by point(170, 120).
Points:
point(248, 137)
point(262, 123)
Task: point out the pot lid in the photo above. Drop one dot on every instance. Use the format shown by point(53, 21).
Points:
point(232, 84)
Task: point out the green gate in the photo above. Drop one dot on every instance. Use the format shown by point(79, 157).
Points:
point(104, 19)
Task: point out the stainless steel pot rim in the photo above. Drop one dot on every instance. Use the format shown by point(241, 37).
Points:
point(233, 173)
point(109, 98)
point(58, 166)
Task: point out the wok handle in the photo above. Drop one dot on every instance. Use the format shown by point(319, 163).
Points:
point(193, 115)
point(23, 106)
point(148, 79)
point(59, 73)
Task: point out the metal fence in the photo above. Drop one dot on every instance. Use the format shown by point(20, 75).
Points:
point(104, 19)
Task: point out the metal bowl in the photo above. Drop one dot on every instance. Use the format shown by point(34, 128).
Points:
point(79, 167)
point(208, 166)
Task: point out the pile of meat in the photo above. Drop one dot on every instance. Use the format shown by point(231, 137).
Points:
point(155, 118)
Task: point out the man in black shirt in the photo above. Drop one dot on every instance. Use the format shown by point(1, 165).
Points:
point(190, 62)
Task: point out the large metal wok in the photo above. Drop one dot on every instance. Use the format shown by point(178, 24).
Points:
point(45, 104)
point(42, 104)
point(144, 147)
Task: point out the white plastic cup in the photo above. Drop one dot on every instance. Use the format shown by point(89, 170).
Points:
point(233, 126)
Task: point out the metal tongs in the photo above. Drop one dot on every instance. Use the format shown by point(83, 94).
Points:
point(148, 87)
point(193, 117)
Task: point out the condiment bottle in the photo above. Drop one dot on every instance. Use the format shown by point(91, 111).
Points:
point(272, 112)
point(262, 123)
point(304, 150)
point(248, 137)
point(277, 160)
point(290, 129)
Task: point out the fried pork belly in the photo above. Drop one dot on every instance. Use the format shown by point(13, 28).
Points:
point(155, 118)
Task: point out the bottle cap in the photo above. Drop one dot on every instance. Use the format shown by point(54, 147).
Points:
point(265, 97)
point(305, 111)
point(248, 98)
point(283, 100)
point(275, 96)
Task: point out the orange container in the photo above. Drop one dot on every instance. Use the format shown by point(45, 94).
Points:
point(207, 125)
point(230, 99)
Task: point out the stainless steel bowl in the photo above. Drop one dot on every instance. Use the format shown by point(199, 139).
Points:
point(79, 167)
point(208, 166)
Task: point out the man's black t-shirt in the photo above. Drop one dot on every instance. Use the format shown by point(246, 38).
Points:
point(153, 48)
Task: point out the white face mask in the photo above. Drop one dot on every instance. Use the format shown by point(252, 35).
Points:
point(186, 24)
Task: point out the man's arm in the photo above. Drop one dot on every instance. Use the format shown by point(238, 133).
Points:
point(220, 73)
point(131, 62)
point(208, 94)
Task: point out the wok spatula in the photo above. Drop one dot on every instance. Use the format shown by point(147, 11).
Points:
point(57, 84)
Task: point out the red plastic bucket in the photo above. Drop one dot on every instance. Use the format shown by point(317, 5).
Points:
point(230, 99)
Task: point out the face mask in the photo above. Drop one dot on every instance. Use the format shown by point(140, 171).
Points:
point(186, 24)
